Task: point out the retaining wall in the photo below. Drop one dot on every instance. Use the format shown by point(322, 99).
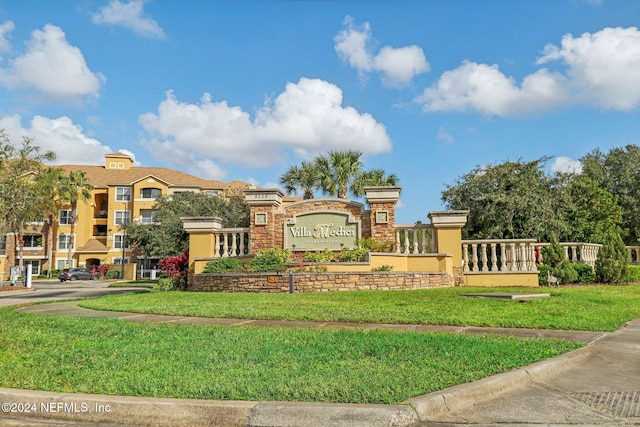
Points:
point(318, 282)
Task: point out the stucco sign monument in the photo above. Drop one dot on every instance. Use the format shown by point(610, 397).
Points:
point(321, 230)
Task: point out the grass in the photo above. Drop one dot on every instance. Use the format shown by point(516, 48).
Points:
point(146, 283)
point(103, 356)
point(589, 308)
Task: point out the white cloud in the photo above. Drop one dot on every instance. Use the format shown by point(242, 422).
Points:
point(397, 65)
point(130, 154)
point(308, 118)
point(602, 70)
point(484, 88)
point(603, 67)
point(445, 136)
point(5, 28)
point(52, 67)
point(131, 16)
point(59, 135)
point(566, 165)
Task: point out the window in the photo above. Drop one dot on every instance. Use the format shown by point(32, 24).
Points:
point(64, 217)
point(150, 193)
point(32, 241)
point(35, 266)
point(62, 263)
point(63, 241)
point(117, 241)
point(123, 194)
point(211, 193)
point(3, 243)
point(147, 216)
point(122, 217)
point(117, 260)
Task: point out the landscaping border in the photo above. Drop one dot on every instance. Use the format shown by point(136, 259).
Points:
point(319, 282)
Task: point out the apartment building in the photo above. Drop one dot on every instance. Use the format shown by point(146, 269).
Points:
point(122, 192)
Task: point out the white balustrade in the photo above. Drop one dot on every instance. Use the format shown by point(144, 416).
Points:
point(504, 255)
point(414, 239)
point(634, 254)
point(231, 242)
point(583, 253)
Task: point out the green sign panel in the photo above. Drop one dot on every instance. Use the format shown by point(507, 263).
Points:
point(317, 231)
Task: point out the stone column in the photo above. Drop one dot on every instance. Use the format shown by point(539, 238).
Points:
point(382, 202)
point(263, 203)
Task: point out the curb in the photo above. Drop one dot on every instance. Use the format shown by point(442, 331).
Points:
point(161, 412)
point(453, 399)
point(143, 411)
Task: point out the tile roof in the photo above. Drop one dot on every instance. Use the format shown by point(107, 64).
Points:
point(100, 177)
point(93, 245)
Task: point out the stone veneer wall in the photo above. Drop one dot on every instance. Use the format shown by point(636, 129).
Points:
point(318, 282)
point(261, 236)
point(458, 276)
point(384, 232)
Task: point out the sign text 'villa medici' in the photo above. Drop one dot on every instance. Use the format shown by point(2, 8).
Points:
point(317, 231)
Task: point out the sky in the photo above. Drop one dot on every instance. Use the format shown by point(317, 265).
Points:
point(427, 90)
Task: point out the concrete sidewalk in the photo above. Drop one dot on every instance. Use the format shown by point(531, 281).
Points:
point(596, 385)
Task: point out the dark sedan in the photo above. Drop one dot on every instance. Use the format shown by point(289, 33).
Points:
point(75, 274)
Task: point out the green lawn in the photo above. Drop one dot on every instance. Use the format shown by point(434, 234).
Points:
point(590, 308)
point(78, 355)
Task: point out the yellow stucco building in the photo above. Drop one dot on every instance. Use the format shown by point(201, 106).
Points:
point(122, 192)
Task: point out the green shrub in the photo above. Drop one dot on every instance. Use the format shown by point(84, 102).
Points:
point(353, 255)
point(559, 266)
point(326, 255)
point(165, 284)
point(565, 272)
point(384, 267)
point(585, 273)
point(611, 263)
point(633, 273)
point(222, 265)
point(553, 254)
point(113, 274)
point(373, 245)
point(270, 259)
point(312, 269)
point(543, 274)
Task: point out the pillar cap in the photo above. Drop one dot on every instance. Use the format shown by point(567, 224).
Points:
point(448, 218)
point(201, 223)
point(382, 194)
point(263, 196)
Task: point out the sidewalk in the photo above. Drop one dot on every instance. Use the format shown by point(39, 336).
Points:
point(596, 385)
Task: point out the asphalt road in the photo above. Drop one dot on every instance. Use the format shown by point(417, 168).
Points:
point(50, 290)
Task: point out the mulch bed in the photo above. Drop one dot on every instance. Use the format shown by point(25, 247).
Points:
point(13, 288)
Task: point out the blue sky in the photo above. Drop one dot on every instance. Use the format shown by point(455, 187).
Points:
point(242, 89)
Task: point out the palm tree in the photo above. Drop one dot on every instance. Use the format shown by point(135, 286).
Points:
point(372, 178)
point(75, 187)
point(304, 178)
point(338, 170)
point(51, 185)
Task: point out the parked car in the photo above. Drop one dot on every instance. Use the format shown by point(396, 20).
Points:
point(79, 273)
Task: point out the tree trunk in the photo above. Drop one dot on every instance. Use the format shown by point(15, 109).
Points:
point(49, 246)
point(74, 207)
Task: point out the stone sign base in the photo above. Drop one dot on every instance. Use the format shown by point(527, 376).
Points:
point(319, 282)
